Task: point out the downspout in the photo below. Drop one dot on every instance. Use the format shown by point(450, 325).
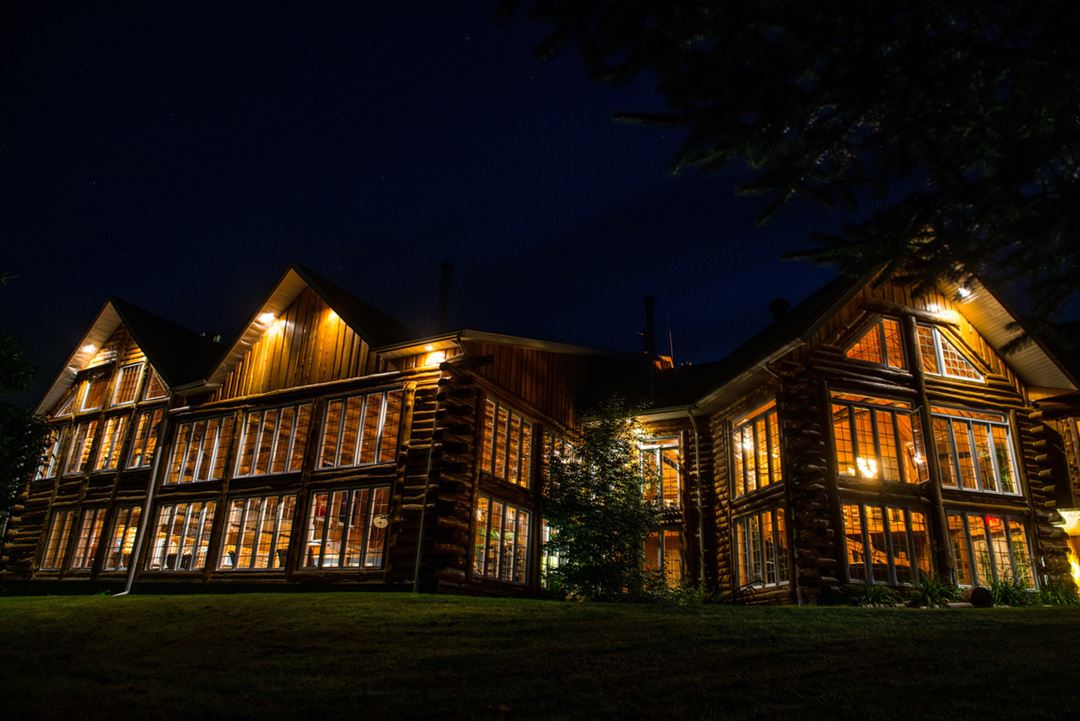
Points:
point(697, 499)
point(141, 533)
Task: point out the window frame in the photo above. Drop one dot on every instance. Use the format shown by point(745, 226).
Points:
point(1007, 520)
point(221, 447)
point(318, 560)
point(285, 513)
point(85, 549)
point(479, 563)
point(781, 543)
point(939, 356)
point(656, 445)
point(207, 513)
point(955, 472)
point(384, 407)
point(59, 549)
point(878, 324)
point(525, 448)
point(133, 517)
point(147, 440)
point(868, 570)
point(302, 412)
point(877, 405)
point(118, 376)
point(768, 412)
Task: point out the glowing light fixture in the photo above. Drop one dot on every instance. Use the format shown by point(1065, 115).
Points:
point(429, 347)
point(434, 357)
point(88, 348)
point(933, 307)
point(867, 467)
point(963, 293)
point(267, 317)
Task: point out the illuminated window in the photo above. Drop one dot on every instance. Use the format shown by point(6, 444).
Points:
point(347, 528)
point(877, 439)
point(93, 393)
point(112, 439)
point(941, 357)
point(500, 541)
point(975, 451)
point(506, 452)
point(144, 440)
point(660, 467)
point(50, 462)
point(78, 452)
point(67, 406)
point(127, 384)
point(199, 451)
point(56, 540)
point(549, 557)
point(755, 450)
point(886, 544)
point(881, 345)
point(122, 538)
point(183, 537)
point(257, 533)
point(361, 430)
point(155, 388)
point(93, 520)
point(761, 549)
point(273, 440)
point(988, 548)
point(663, 553)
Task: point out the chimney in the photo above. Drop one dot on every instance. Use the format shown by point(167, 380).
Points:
point(779, 308)
point(444, 295)
point(648, 336)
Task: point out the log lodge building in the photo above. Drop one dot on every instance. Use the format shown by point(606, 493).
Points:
point(865, 436)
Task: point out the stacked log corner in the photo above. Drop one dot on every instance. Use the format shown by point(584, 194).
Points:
point(1051, 542)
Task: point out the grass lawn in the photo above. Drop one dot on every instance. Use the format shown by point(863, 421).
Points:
point(389, 656)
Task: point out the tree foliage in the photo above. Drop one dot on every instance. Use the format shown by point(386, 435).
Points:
point(594, 502)
point(957, 119)
point(22, 434)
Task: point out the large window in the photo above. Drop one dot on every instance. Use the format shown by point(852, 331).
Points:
point(361, 430)
point(183, 537)
point(93, 392)
point(112, 440)
point(941, 357)
point(273, 440)
point(155, 388)
point(761, 549)
point(501, 541)
point(257, 533)
point(988, 548)
point(877, 439)
point(200, 449)
point(56, 540)
point(78, 453)
point(93, 520)
point(122, 538)
point(144, 440)
point(881, 345)
point(347, 528)
point(660, 466)
point(506, 452)
point(886, 544)
point(975, 450)
point(127, 384)
point(755, 450)
point(663, 553)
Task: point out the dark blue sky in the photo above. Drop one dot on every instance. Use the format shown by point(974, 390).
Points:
point(180, 157)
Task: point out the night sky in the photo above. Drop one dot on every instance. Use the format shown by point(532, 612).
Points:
point(181, 157)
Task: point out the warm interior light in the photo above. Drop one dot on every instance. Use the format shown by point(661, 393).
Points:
point(867, 467)
point(429, 347)
point(963, 292)
point(88, 348)
point(1074, 564)
point(933, 307)
point(434, 358)
point(267, 317)
point(331, 315)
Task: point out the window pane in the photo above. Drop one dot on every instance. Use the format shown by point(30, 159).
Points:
point(756, 561)
point(749, 457)
point(391, 426)
point(742, 554)
point(88, 537)
point(961, 550)
point(761, 444)
point(1004, 458)
point(56, 541)
point(927, 349)
point(911, 456)
point(774, 447)
point(376, 542)
point(980, 547)
point(672, 559)
point(501, 541)
point(901, 554)
point(183, 536)
point(501, 423)
point(487, 457)
point(299, 445)
point(122, 540)
point(890, 460)
point(737, 457)
point(845, 449)
point(350, 436)
point(999, 547)
point(894, 345)
point(920, 538)
point(514, 449)
point(964, 455)
point(875, 534)
point(144, 440)
point(983, 456)
point(155, 388)
point(767, 531)
point(265, 444)
point(782, 547)
point(856, 547)
point(331, 435)
point(868, 348)
point(956, 365)
point(373, 411)
point(1020, 551)
point(480, 536)
point(286, 426)
point(943, 447)
point(526, 454)
point(127, 383)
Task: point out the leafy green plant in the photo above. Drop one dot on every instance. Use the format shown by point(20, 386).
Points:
point(872, 594)
point(933, 591)
point(1013, 592)
point(1059, 594)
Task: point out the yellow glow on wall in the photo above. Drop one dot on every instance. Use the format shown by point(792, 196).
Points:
point(267, 318)
point(434, 357)
point(88, 348)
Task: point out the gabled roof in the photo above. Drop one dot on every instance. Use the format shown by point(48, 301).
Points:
point(179, 355)
point(370, 323)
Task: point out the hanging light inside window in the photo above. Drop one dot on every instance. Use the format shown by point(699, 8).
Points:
point(867, 467)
